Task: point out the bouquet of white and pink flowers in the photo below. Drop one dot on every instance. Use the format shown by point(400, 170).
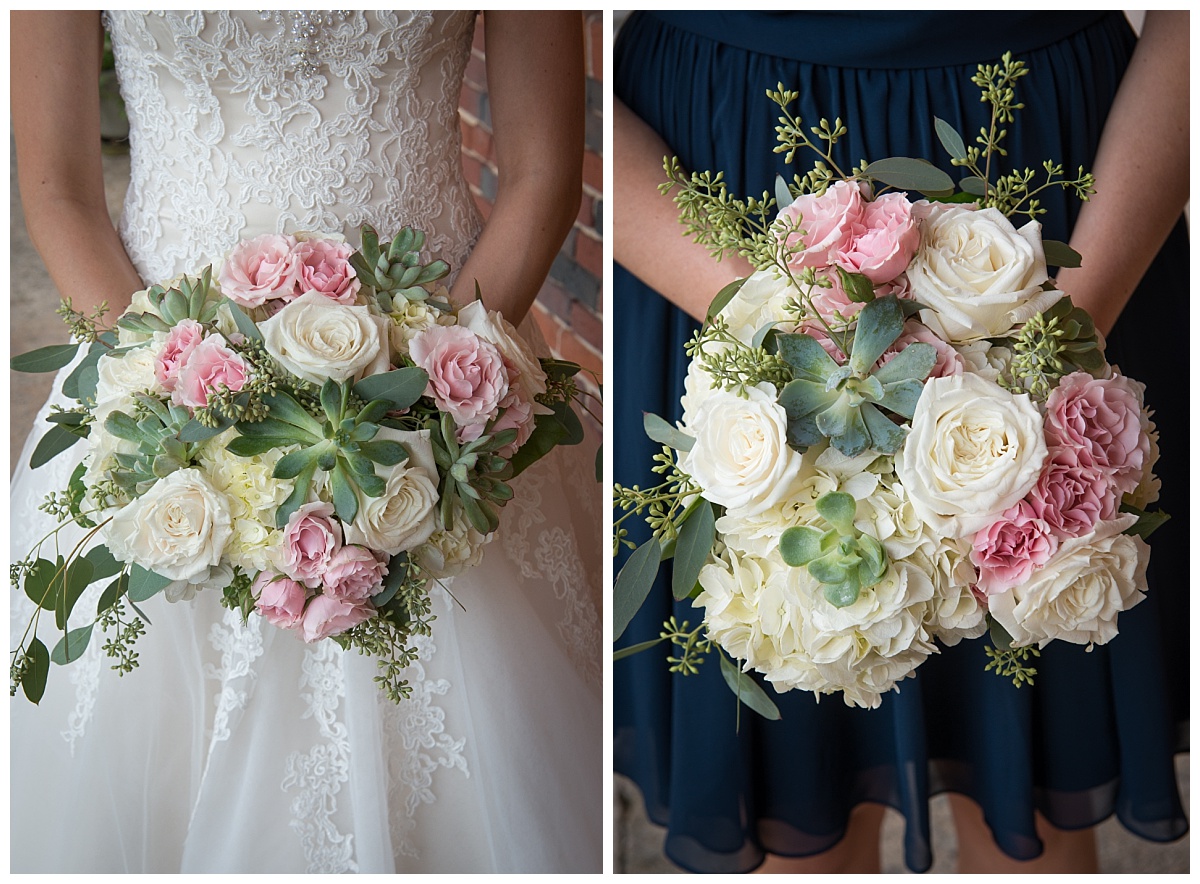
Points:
point(897, 432)
point(315, 433)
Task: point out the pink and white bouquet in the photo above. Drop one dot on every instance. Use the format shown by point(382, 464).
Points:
point(896, 433)
point(314, 432)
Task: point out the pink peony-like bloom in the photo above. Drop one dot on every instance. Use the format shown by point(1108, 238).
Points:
point(181, 341)
point(885, 240)
point(353, 574)
point(827, 221)
point(1072, 494)
point(310, 539)
point(949, 361)
point(467, 378)
point(209, 365)
point(260, 269)
point(1102, 416)
point(518, 414)
point(1007, 551)
point(324, 266)
point(279, 600)
point(326, 616)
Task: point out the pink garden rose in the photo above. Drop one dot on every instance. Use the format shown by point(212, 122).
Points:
point(310, 539)
point(260, 269)
point(181, 341)
point(324, 266)
point(326, 616)
point(1007, 551)
point(466, 375)
point(209, 365)
point(518, 414)
point(885, 240)
point(280, 600)
point(353, 574)
point(1102, 416)
point(827, 222)
point(1072, 494)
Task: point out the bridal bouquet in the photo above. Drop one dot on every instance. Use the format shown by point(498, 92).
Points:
point(897, 432)
point(315, 433)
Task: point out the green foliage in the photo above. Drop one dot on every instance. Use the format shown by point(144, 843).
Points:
point(734, 366)
point(1056, 342)
point(1012, 663)
point(633, 584)
point(691, 646)
point(663, 505)
point(394, 269)
point(472, 473)
point(747, 690)
point(842, 558)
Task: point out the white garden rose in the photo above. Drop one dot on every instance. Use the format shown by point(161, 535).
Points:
point(316, 338)
point(973, 451)
point(405, 515)
point(450, 551)
point(741, 458)
point(760, 300)
point(178, 529)
point(1077, 595)
point(980, 276)
point(119, 377)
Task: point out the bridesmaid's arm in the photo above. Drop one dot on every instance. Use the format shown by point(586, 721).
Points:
point(535, 85)
point(1141, 173)
point(56, 124)
point(648, 239)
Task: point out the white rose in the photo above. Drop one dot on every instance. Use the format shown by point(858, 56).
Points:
point(499, 332)
point(450, 552)
point(119, 377)
point(973, 451)
point(406, 514)
point(1077, 595)
point(177, 529)
point(760, 300)
point(979, 275)
point(741, 458)
point(315, 338)
point(408, 319)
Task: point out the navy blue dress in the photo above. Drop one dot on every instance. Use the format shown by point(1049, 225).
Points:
point(1097, 733)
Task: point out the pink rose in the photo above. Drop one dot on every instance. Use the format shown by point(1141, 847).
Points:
point(1104, 418)
point(827, 222)
point(260, 269)
point(181, 340)
point(885, 240)
point(466, 375)
point(1072, 494)
point(353, 574)
point(949, 361)
point(326, 616)
point(310, 539)
point(209, 366)
point(518, 414)
point(833, 304)
point(280, 600)
point(324, 266)
point(1007, 551)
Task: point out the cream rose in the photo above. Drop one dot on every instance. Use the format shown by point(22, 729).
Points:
point(1077, 595)
point(178, 529)
point(760, 300)
point(406, 514)
point(451, 551)
point(315, 338)
point(980, 276)
point(741, 458)
point(119, 377)
point(974, 450)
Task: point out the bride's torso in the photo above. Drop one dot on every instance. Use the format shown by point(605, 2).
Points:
point(249, 122)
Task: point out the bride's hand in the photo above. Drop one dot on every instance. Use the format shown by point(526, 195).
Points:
point(536, 90)
point(56, 126)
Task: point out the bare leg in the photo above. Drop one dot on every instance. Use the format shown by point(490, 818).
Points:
point(857, 852)
point(1065, 851)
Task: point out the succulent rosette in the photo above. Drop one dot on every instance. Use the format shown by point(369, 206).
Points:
point(898, 434)
point(315, 434)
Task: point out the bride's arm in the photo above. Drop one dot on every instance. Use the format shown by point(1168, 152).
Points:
point(535, 86)
point(1141, 173)
point(56, 123)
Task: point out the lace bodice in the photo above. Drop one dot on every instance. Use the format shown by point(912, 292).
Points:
point(250, 122)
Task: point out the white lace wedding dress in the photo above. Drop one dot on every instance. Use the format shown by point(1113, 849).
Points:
point(236, 747)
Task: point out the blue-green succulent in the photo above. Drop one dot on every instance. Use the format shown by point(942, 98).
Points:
point(842, 559)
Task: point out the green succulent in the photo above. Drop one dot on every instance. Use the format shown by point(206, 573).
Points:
point(472, 473)
point(188, 300)
point(843, 402)
point(155, 428)
point(394, 268)
point(842, 559)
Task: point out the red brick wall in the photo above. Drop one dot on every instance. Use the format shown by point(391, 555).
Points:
point(569, 308)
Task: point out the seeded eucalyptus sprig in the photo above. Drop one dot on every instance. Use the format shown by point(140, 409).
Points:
point(394, 268)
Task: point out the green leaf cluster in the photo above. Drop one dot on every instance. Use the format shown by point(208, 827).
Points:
point(193, 298)
point(472, 474)
point(394, 268)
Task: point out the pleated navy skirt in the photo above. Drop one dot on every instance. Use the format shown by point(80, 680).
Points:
point(1097, 733)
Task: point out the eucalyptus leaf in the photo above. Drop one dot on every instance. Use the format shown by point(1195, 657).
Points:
point(636, 649)
point(724, 296)
point(76, 385)
point(244, 323)
point(75, 581)
point(565, 415)
point(34, 682)
point(783, 196)
point(747, 690)
point(401, 387)
point(1146, 524)
point(57, 440)
point(692, 548)
point(906, 173)
point(72, 645)
point(43, 359)
point(111, 593)
point(547, 433)
point(633, 584)
point(397, 572)
point(43, 582)
point(1059, 254)
point(950, 139)
point(761, 335)
point(998, 634)
point(663, 433)
point(144, 584)
point(973, 185)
